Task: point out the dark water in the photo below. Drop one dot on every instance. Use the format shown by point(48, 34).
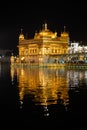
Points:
point(43, 97)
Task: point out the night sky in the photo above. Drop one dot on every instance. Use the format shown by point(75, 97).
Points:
point(31, 16)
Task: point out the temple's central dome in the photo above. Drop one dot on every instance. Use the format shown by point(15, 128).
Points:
point(45, 33)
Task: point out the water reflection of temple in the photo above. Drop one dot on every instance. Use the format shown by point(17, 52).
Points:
point(43, 83)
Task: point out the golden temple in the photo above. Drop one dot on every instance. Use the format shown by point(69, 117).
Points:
point(45, 47)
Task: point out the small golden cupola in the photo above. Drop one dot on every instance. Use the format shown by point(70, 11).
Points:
point(64, 33)
point(21, 36)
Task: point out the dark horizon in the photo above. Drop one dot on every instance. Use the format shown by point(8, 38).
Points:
point(30, 17)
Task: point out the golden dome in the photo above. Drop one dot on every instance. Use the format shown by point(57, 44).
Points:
point(64, 33)
point(45, 33)
point(21, 36)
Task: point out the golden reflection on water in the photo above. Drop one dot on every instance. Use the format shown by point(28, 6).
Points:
point(46, 84)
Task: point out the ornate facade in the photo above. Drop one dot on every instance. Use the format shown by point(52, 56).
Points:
point(45, 47)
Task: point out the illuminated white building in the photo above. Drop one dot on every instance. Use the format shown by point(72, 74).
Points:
point(75, 47)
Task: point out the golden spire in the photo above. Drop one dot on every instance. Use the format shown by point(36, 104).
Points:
point(45, 26)
point(21, 30)
point(64, 28)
